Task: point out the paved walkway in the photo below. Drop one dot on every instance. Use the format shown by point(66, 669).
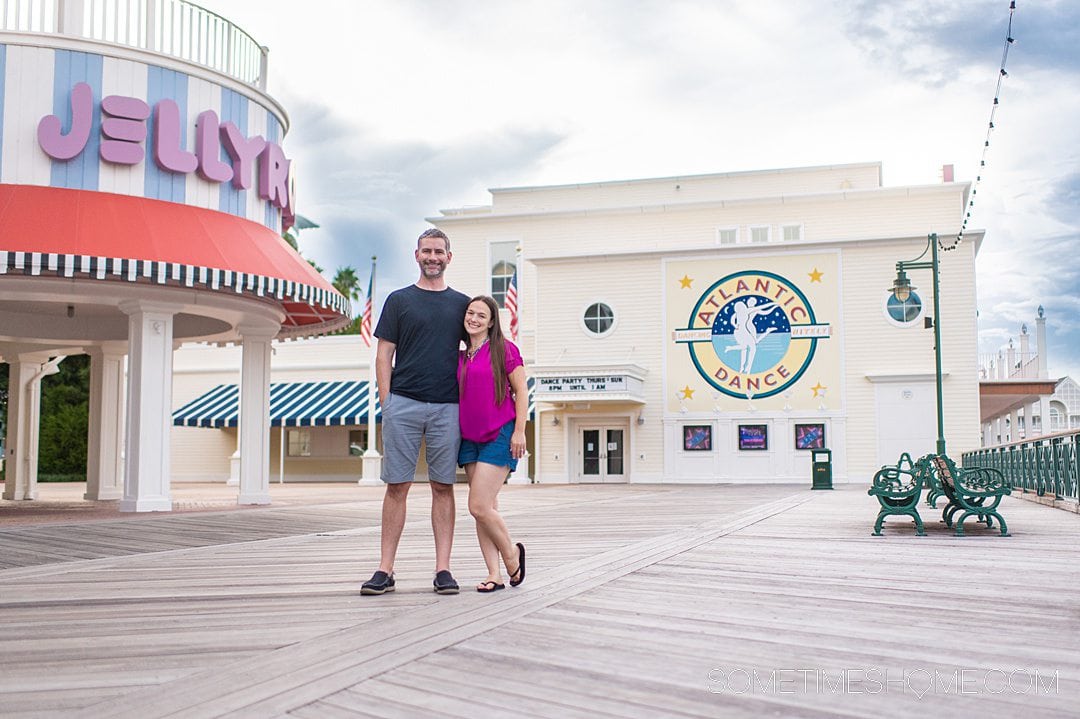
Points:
point(697, 601)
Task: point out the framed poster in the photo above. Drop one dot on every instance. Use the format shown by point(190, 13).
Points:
point(753, 436)
point(810, 436)
point(697, 437)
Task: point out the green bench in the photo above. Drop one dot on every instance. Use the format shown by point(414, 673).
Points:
point(898, 489)
point(934, 491)
point(974, 492)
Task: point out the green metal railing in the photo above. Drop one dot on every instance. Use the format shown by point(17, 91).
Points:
point(1047, 466)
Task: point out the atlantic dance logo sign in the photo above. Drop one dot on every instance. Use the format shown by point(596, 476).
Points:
point(752, 334)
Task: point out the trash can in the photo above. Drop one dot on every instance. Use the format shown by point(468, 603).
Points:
point(821, 468)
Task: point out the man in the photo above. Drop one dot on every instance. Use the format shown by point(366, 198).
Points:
point(419, 332)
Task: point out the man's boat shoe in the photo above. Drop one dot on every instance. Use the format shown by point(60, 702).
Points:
point(445, 584)
point(380, 583)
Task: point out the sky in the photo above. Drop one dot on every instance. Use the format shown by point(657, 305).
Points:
point(400, 108)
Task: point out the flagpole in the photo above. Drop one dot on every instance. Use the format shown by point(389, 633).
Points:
point(372, 462)
point(521, 474)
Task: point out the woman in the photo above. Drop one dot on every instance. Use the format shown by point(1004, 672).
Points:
point(494, 402)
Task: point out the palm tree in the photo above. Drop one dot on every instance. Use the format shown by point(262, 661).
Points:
point(291, 235)
point(347, 283)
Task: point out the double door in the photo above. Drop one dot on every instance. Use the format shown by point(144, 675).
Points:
point(602, 453)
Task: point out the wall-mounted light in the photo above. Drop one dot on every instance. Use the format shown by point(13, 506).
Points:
point(640, 420)
point(70, 311)
point(555, 420)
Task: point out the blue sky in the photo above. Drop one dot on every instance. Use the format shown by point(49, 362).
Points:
point(401, 108)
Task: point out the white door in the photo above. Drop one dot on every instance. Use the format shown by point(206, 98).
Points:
point(906, 419)
point(602, 454)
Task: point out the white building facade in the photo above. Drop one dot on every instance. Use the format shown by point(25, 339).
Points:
point(720, 327)
point(715, 328)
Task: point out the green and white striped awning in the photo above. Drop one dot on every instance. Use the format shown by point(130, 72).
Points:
point(292, 404)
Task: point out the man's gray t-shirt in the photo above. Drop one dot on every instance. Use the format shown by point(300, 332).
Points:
point(427, 327)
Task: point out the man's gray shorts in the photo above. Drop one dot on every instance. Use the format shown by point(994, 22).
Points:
point(405, 422)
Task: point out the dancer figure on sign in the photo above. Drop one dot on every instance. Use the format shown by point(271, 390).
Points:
point(745, 334)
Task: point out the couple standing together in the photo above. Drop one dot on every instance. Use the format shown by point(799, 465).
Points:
point(469, 407)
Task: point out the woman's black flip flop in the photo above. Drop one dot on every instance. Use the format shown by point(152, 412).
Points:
point(519, 576)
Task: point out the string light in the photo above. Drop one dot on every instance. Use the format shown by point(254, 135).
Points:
point(1002, 74)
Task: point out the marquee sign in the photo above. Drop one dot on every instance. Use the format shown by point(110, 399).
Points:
point(570, 385)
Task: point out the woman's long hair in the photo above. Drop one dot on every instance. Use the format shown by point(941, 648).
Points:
point(497, 349)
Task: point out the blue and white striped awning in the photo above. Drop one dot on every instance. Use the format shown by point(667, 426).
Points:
point(292, 404)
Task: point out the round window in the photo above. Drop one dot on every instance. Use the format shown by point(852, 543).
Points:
point(903, 312)
point(598, 319)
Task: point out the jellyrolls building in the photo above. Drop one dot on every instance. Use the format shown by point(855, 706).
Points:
point(722, 327)
point(143, 191)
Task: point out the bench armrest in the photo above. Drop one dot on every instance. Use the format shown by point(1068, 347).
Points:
point(893, 480)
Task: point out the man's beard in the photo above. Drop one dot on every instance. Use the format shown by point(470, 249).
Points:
point(433, 270)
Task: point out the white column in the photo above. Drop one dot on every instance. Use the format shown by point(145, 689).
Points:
point(999, 430)
point(105, 440)
point(988, 433)
point(1014, 425)
point(24, 393)
point(149, 406)
point(234, 465)
point(70, 17)
point(1044, 413)
point(371, 464)
point(254, 431)
point(521, 474)
point(1025, 353)
point(1040, 341)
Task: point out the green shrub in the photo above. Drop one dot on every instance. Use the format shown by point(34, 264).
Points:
point(62, 477)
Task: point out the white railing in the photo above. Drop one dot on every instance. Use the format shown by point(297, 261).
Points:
point(28, 15)
point(1009, 365)
point(171, 27)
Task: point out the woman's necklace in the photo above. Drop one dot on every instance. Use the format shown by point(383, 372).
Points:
point(471, 352)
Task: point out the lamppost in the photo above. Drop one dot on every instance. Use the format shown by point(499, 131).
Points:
point(901, 290)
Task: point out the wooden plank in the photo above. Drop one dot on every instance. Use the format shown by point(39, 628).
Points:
point(634, 595)
point(394, 642)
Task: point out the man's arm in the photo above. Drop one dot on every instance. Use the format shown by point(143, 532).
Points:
point(384, 359)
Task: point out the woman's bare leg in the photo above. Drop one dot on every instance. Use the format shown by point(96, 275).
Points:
point(485, 481)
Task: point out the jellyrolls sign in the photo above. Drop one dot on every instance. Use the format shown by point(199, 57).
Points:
point(755, 330)
point(123, 126)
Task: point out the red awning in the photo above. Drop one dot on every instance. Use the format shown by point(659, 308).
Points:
point(73, 233)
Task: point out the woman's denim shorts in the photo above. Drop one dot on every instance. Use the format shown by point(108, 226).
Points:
point(496, 452)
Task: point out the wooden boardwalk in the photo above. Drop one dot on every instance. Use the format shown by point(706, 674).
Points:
point(650, 601)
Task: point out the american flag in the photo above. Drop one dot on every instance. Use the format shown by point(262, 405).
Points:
point(365, 319)
point(511, 304)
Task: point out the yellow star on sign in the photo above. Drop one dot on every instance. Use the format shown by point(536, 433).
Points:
point(819, 390)
point(687, 393)
point(684, 283)
point(815, 276)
